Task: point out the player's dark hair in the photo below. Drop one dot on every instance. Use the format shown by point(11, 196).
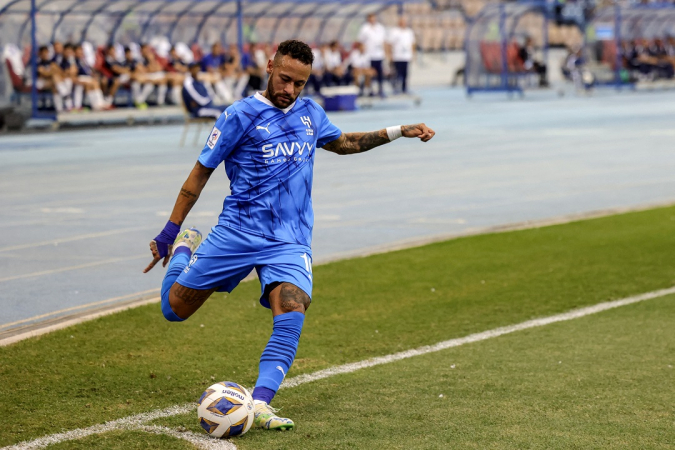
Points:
point(296, 50)
point(43, 48)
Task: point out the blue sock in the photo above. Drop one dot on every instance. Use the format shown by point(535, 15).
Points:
point(179, 260)
point(278, 355)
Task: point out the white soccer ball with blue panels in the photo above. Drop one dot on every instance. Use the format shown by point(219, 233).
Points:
point(226, 410)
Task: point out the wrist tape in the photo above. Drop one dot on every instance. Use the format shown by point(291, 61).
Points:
point(394, 132)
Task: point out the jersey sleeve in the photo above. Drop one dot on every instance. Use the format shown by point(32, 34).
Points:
point(224, 137)
point(327, 131)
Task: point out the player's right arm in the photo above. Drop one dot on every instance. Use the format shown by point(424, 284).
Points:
point(187, 198)
point(215, 151)
point(190, 192)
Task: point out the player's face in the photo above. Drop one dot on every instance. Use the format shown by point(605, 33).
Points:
point(288, 77)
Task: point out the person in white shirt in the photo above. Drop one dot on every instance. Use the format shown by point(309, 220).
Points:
point(373, 36)
point(316, 77)
point(402, 41)
point(359, 65)
point(335, 72)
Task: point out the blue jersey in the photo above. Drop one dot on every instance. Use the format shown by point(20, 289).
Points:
point(269, 159)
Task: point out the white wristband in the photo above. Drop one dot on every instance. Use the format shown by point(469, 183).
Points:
point(394, 132)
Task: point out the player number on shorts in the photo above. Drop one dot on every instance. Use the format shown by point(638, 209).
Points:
point(308, 264)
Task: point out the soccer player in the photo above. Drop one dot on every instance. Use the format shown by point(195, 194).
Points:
point(267, 142)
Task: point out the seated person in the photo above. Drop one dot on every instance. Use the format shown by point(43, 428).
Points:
point(211, 66)
point(250, 63)
point(57, 48)
point(232, 75)
point(657, 51)
point(68, 71)
point(360, 69)
point(121, 71)
point(335, 71)
point(49, 78)
point(196, 97)
point(86, 81)
point(573, 69)
point(150, 74)
point(177, 68)
point(318, 70)
point(638, 59)
point(211, 62)
point(526, 55)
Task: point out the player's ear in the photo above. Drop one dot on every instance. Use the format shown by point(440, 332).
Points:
point(270, 64)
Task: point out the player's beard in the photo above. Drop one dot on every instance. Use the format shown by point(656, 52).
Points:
point(279, 99)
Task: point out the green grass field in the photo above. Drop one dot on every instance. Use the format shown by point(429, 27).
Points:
point(602, 381)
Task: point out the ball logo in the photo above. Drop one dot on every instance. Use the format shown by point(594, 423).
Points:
point(234, 394)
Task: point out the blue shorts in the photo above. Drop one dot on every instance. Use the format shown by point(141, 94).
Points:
point(228, 255)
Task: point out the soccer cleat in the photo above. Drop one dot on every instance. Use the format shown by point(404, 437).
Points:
point(190, 238)
point(266, 417)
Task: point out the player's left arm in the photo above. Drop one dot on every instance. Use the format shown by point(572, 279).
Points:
point(350, 143)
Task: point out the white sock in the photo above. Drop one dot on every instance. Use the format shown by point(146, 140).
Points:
point(58, 102)
point(145, 92)
point(69, 103)
point(224, 93)
point(136, 91)
point(78, 92)
point(176, 95)
point(101, 99)
point(96, 99)
point(161, 94)
point(62, 88)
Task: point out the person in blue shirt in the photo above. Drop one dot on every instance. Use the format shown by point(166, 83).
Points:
point(196, 97)
point(267, 143)
point(212, 61)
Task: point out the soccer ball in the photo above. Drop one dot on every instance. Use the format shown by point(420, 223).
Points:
point(225, 410)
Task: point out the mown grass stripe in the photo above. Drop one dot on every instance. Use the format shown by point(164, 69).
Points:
point(137, 422)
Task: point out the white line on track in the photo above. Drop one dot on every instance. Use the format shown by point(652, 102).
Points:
point(79, 266)
point(73, 238)
point(138, 421)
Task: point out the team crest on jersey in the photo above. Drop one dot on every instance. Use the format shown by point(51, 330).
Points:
point(308, 123)
point(213, 138)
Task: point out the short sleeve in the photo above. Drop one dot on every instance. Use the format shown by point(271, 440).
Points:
point(224, 137)
point(327, 131)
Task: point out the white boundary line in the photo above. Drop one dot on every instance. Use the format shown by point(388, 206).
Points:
point(138, 421)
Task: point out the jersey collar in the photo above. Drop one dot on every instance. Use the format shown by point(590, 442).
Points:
point(258, 96)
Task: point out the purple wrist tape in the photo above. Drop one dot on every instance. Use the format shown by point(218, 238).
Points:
point(166, 238)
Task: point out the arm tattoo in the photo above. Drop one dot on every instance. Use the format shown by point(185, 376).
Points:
point(350, 143)
point(185, 193)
